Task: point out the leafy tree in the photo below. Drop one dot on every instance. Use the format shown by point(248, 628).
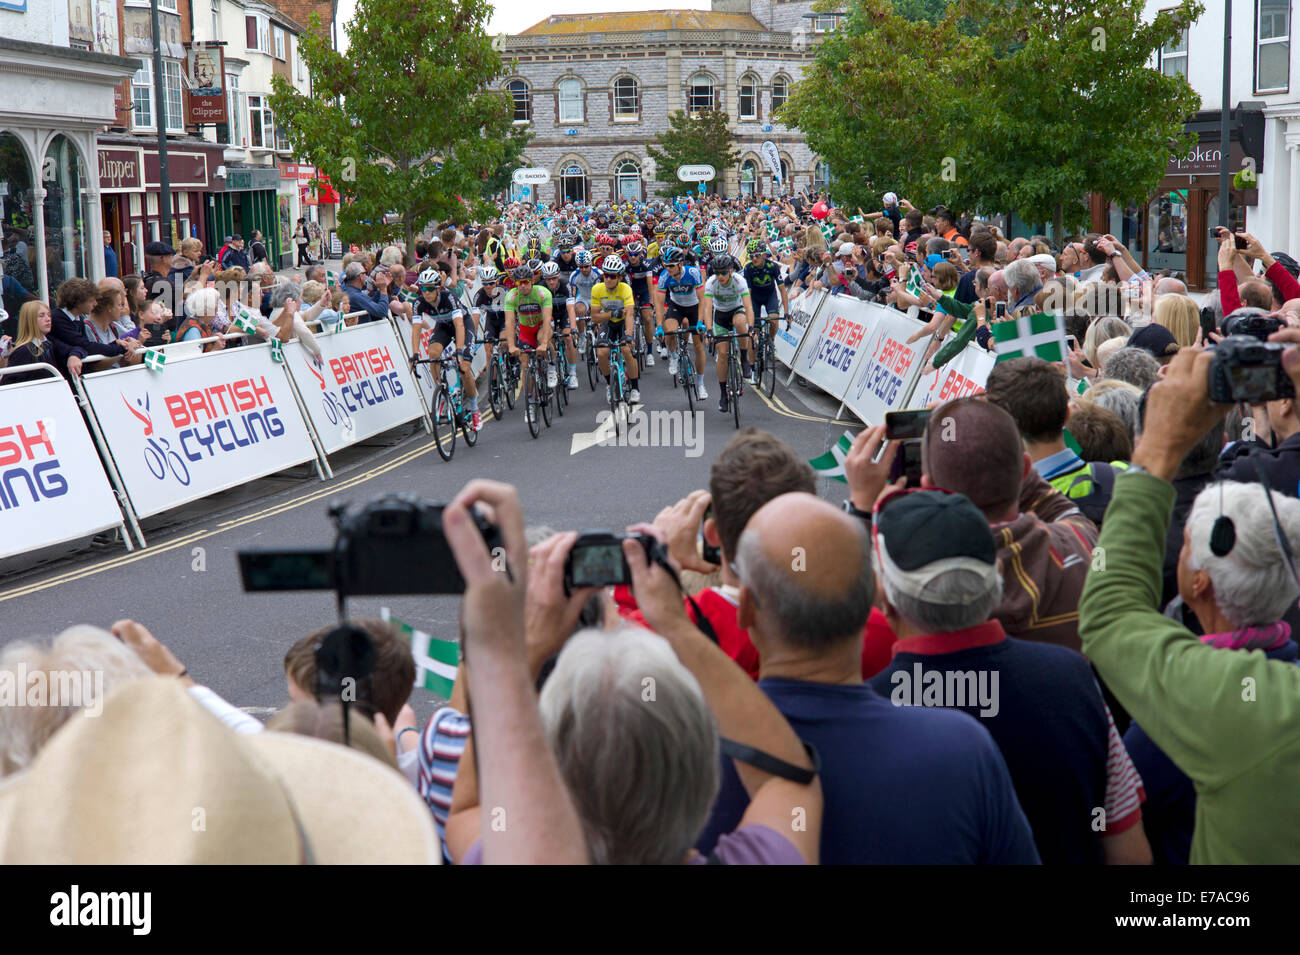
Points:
point(499, 180)
point(705, 140)
point(405, 121)
point(1064, 102)
point(882, 102)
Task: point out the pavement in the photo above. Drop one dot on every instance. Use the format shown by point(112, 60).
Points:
point(185, 586)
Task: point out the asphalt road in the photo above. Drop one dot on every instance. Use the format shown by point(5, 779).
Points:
point(185, 585)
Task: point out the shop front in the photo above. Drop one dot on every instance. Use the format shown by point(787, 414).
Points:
point(247, 200)
point(1171, 230)
point(130, 196)
point(315, 205)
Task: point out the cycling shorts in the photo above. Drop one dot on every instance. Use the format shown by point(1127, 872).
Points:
point(722, 321)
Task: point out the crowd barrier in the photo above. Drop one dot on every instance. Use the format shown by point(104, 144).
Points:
point(857, 352)
point(147, 440)
point(53, 488)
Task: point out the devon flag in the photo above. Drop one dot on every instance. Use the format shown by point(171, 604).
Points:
point(435, 660)
point(915, 284)
point(1031, 336)
point(331, 279)
point(277, 351)
point(154, 359)
point(831, 464)
point(245, 322)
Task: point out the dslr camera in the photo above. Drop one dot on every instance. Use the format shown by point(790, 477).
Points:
point(1247, 369)
point(390, 545)
point(596, 559)
point(1251, 323)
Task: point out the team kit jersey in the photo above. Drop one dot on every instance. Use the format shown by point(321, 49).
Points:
point(566, 262)
point(638, 277)
point(619, 298)
point(528, 308)
point(762, 281)
point(582, 283)
point(492, 306)
point(729, 297)
point(446, 309)
point(683, 290)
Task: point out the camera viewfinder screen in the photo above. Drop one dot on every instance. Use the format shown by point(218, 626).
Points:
point(598, 565)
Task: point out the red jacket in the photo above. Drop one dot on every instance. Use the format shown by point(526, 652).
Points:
point(1286, 284)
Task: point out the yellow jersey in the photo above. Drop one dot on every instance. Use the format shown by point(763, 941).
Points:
point(620, 300)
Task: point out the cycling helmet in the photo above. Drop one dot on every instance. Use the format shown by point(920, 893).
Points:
point(583, 257)
point(429, 280)
point(511, 263)
point(718, 245)
point(534, 265)
point(550, 270)
point(673, 256)
point(756, 247)
point(521, 273)
point(565, 242)
point(635, 248)
point(613, 265)
point(606, 239)
point(487, 274)
point(723, 263)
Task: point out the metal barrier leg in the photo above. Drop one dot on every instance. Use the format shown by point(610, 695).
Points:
point(323, 469)
point(402, 340)
point(106, 456)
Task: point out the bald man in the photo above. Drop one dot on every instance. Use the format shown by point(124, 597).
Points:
point(901, 785)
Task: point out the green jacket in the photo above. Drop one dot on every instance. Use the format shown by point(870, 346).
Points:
point(1229, 719)
point(965, 330)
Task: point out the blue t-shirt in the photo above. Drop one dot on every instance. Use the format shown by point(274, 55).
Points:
point(901, 785)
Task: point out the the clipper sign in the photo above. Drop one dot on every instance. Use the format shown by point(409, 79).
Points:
point(361, 387)
point(200, 426)
point(52, 486)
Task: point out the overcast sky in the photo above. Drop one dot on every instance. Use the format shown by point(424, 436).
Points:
point(514, 15)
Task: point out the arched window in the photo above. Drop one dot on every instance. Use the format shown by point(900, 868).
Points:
point(627, 181)
point(16, 185)
point(523, 100)
point(573, 183)
point(784, 184)
point(699, 95)
point(67, 213)
point(749, 96)
point(821, 175)
point(570, 101)
point(748, 177)
point(780, 92)
point(627, 98)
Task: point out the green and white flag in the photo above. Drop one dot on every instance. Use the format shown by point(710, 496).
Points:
point(915, 284)
point(1031, 336)
point(277, 351)
point(406, 295)
point(154, 359)
point(331, 279)
point(831, 464)
point(245, 322)
point(828, 231)
point(435, 660)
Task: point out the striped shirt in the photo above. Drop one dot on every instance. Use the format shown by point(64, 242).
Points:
point(441, 746)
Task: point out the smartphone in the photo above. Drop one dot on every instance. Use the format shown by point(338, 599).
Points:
point(907, 463)
point(1071, 342)
point(906, 425)
point(1000, 310)
point(1207, 324)
point(1215, 230)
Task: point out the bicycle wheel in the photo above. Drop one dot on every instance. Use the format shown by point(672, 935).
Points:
point(686, 369)
point(615, 390)
point(467, 427)
point(529, 397)
point(767, 374)
point(593, 370)
point(544, 399)
point(496, 393)
point(444, 423)
point(510, 383)
point(558, 391)
point(734, 383)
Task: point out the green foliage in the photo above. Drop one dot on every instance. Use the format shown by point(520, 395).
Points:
point(412, 92)
point(705, 140)
point(881, 103)
point(499, 180)
point(1019, 106)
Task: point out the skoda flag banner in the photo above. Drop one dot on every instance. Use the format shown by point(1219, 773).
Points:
point(363, 385)
point(209, 423)
point(52, 485)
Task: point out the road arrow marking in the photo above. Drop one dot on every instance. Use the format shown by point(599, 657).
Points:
point(589, 439)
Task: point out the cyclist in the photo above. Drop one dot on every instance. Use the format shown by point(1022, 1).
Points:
point(638, 278)
point(763, 277)
point(613, 308)
point(565, 257)
point(725, 296)
point(716, 246)
point(488, 307)
point(564, 318)
point(581, 283)
point(528, 319)
point(437, 322)
point(677, 298)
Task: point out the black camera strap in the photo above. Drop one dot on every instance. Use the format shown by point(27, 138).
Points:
point(660, 556)
point(771, 764)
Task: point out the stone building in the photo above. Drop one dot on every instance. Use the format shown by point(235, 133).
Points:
point(596, 88)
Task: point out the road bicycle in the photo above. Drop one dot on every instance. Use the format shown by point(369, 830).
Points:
point(536, 394)
point(764, 356)
point(503, 377)
point(448, 410)
point(618, 391)
point(686, 363)
point(735, 383)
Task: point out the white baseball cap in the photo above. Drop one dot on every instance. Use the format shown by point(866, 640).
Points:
point(847, 248)
point(891, 199)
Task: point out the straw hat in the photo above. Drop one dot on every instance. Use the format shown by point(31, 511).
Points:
point(157, 779)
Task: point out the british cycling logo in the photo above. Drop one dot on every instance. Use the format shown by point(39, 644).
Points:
point(20, 449)
point(209, 421)
point(363, 379)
